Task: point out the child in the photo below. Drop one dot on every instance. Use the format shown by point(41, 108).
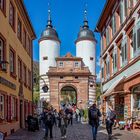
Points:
point(128, 123)
point(62, 123)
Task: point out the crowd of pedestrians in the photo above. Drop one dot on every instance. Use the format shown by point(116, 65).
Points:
point(50, 119)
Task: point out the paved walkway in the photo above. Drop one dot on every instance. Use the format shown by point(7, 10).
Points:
point(75, 132)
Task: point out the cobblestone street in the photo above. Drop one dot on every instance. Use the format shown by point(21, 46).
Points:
point(75, 132)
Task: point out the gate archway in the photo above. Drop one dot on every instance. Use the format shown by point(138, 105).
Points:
point(68, 95)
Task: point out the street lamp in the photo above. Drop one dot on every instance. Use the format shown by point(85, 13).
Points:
point(45, 87)
point(3, 65)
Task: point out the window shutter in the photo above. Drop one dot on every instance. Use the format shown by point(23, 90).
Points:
point(121, 12)
point(122, 50)
point(138, 38)
point(9, 108)
point(134, 40)
point(107, 36)
point(125, 7)
point(17, 109)
point(125, 54)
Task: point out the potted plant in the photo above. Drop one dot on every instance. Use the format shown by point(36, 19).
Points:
point(85, 115)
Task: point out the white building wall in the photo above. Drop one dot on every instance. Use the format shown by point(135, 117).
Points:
point(86, 49)
point(49, 49)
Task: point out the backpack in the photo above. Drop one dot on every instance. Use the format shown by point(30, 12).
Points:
point(112, 115)
point(94, 114)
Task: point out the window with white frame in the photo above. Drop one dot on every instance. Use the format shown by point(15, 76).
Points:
point(12, 61)
point(61, 64)
point(124, 51)
point(121, 12)
point(2, 4)
point(125, 8)
point(102, 72)
point(138, 35)
point(107, 36)
point(11, 15)
point(1, 49)
point(107, 67)
point(76, 64)
point(131, 45)
point(113, 25)
point(115, 60)
point(1, 106)
point(102, 45)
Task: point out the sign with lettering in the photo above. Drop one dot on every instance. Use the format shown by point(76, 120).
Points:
point(7, 83)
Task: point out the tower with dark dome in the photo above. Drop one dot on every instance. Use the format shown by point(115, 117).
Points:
point(49, 49)
point(86, 49)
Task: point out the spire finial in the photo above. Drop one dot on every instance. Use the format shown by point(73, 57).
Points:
point(85, 17)
point(85, 12)
point(49, 24)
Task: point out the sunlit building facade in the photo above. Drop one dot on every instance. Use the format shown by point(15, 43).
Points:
point(119, 26)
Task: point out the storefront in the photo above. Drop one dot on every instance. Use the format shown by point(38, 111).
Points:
point(136, 102)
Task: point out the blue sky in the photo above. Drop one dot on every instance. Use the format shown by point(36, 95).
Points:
point(67, 17)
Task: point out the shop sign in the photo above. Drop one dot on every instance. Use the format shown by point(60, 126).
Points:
point(7, 83)
point(125, 112)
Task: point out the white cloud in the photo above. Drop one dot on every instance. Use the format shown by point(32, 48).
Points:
point(98, 76)
point(98, 61)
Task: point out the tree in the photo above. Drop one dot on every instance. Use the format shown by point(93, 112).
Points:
point(98, 91)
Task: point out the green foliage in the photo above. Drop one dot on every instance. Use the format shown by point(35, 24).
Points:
point(85, 114)
point(98, 91)
point(36, 97)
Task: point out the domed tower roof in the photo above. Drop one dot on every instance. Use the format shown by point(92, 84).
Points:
point(49, 33)
point(85, 33)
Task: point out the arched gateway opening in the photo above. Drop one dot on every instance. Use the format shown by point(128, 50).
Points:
point(68, 95)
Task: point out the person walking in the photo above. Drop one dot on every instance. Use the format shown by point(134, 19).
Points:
point(44, 120)
point(94, 114)
point(110, 118)
point(48, 120)
point(62, 123)
point(77, 114)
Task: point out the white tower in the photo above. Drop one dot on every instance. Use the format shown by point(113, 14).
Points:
point(49, 49)
point(86, 49)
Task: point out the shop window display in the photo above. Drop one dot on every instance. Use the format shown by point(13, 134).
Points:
point(136, 107)
point(136, 103)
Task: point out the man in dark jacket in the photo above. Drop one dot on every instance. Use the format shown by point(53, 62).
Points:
point(94, 114)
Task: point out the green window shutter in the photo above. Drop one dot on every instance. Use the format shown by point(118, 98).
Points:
point(121, 12)
point(138, 35)
point(122, 50)
point(115, 60)
point(125, 7)
point(125, 51)
point(138, 38)
point(107, 36)
point(134, 40)
point(114, 23)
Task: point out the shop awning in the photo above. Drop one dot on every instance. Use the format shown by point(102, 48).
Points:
point(110, 90)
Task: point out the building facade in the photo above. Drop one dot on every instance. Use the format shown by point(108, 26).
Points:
point(50, 50)
point(69, 82)
point(119, 26)
point(16, 35)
